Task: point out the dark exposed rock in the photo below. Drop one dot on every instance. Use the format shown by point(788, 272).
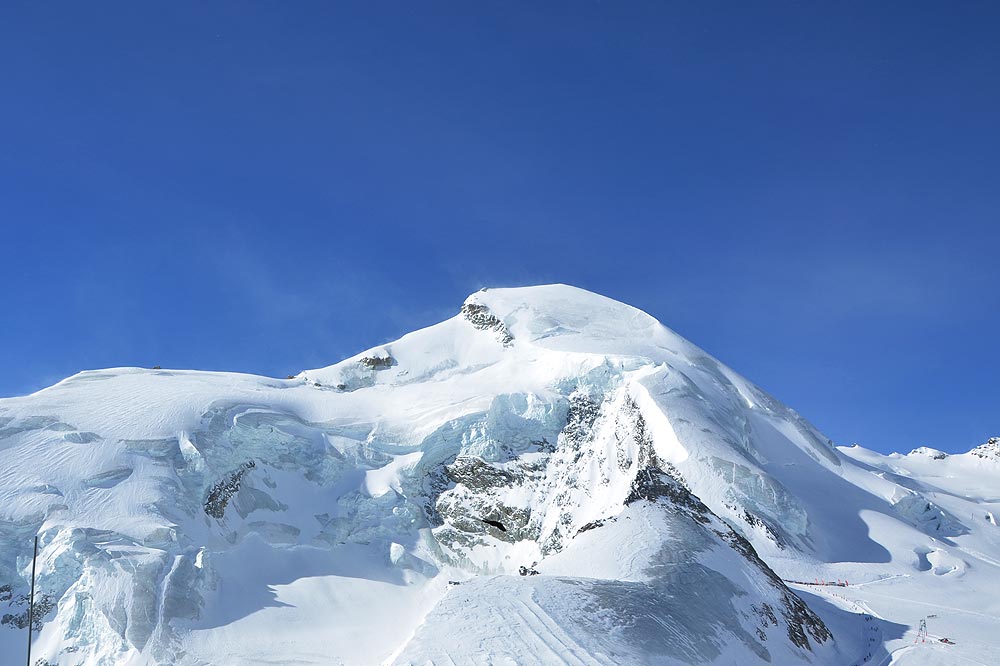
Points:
point(481, 317)
point(653, 484)
point(219, 495)
point(377, 362)
point(756, 521)
point(801, 620)
point(472, 515)
point(543, 445)
point(593, 525)
point(435, 484)
point(43, 605)
point(988, 451)
point(580, 418)
point(766, 615)
point(477, 474)
point(494, 523)
point(473, 507)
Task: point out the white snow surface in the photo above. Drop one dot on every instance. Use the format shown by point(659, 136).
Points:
point(382, 510)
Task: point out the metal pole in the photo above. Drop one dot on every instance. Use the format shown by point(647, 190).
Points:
point(31, 599)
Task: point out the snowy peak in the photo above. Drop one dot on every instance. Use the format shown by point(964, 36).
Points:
point(564, 318)
point(541, 328)
point(934, 454)
point(988, 451)
point(553, 342)
point(546, 455)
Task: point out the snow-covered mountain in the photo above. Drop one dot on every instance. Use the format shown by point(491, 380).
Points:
point(548, 477)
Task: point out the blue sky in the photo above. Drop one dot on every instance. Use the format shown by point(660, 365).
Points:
point(808, 192)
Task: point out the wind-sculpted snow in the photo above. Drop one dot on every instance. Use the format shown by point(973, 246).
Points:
point(384, 509)
point(636, 610)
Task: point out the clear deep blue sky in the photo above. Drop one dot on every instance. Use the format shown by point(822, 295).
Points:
point(809, 192)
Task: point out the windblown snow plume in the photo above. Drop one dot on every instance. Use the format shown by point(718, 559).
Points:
point(548, 477)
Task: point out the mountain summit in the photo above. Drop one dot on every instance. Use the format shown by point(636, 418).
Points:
point(549, 476)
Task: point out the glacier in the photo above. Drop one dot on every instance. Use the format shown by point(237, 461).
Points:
point(549, 476)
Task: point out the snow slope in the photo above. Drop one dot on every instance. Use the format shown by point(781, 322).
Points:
point(550, 476)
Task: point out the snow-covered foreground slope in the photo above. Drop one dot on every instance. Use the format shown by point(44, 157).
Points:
point(548, 477)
